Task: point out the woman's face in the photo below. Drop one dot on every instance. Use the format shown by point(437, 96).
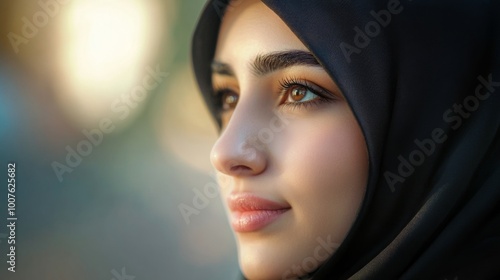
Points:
point(291, 159)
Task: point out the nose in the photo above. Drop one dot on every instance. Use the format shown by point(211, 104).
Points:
point(238, 151)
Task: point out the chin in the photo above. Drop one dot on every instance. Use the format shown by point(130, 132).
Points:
point(261, 259)
point(271, 259)
point(259, 267)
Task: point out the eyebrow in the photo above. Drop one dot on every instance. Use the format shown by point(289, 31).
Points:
point(267, 63)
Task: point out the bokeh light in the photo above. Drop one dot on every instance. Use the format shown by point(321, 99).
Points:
point(106, 48)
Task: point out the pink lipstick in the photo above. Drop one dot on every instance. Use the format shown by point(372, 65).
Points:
point(252, 213)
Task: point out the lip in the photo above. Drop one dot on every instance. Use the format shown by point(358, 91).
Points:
point(252, 213)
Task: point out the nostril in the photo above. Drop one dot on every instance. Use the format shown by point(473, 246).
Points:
point(239, 169)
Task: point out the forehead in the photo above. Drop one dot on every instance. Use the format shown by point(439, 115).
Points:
point(251, 28)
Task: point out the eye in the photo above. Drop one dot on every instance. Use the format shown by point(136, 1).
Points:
point(299, 93)
point(302, 94)
point(229, 99)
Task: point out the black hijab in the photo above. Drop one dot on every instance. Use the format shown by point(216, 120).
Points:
point(423, 80)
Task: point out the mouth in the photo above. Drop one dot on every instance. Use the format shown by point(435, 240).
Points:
point(249, 213)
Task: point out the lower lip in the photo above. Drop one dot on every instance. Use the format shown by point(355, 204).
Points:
point(254, 220)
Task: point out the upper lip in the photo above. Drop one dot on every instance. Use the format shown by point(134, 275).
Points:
point(245, 202)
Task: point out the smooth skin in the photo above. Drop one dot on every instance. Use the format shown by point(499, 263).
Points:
point(288, 136)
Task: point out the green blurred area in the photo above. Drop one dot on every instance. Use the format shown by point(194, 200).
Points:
point(116, 209)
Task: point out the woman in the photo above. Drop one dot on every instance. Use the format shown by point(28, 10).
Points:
point(359, 139)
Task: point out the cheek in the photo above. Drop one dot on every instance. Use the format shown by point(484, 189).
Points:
point(326, 168)
point(330, 146)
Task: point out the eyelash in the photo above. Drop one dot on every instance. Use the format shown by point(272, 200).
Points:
point(323, 96)
point(219, 92)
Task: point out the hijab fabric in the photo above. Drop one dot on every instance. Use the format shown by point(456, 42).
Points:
point(423, 80)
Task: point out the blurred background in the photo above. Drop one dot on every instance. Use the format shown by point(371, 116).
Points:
point(100, 112)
